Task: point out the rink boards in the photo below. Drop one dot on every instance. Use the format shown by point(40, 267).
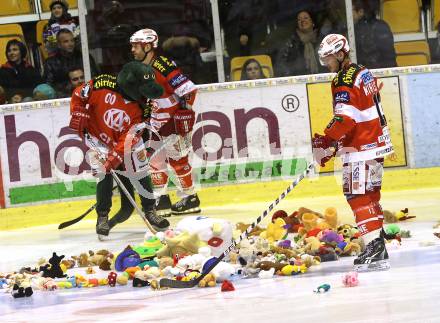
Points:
point(245, 132)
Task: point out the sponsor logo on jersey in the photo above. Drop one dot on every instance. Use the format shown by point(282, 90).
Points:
point(163, 65)
point(116, 119)
point(348, 77)
point(384, 138)
point(369, 146)
point(342, 97)
point(384, 151)
point(177, 80)
point(355, 177)
point(105, 81)
point(367, 77)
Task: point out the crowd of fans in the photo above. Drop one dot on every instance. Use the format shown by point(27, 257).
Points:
point(286, 31)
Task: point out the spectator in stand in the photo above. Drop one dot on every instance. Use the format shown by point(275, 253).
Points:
point(44, 92)
point(374, 39)
point(57, 67)
point(16, 98)
point(2, 96)
point(299, 54)
point(17, 75)
point(59, 19)
point(76, 78)
point(184, 49)
point(252, 70)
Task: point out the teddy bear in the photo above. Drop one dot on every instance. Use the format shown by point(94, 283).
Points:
point(182, 244)
point(82, 260)
point(312, 245)
point(140, 279)
point(208, 281)
point(54, 271)
point(242, 227)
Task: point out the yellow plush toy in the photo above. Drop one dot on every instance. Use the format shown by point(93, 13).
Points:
point(275, 231)
point(208, 281)
point(183, 244)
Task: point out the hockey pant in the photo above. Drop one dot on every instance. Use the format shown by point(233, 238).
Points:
point(362, 182)
point(175, 156)
point(104, 196)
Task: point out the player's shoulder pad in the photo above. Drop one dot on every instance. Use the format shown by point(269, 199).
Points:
point(164, 65)
point(347, 77)
point(104, 81)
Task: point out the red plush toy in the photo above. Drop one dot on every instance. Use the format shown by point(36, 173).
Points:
point(227, 286)
point(112, 279)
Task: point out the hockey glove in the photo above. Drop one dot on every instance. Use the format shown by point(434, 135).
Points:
point(321, 149)
point(79, 120)
point(113, 161)
point(184, 120)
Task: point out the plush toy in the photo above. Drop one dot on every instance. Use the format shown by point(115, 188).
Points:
point(90, 270)
point(350, 279)
point(216, 233)
point(149, 247)
point(19, 291)
point(68, 263)
point(165, 262)
point(267, 265)
point(182, 244)
point(312, 245)
point(289, 253)
point(222, 271)
point(208, 281)
point(331, 237)
point(112, 279)
point(289, 270)
point(105, 264)
point(275, 231)
point(131, 271)
point(242, 227)
point(227, 286)
point(265, 274)
point(331, 217)
point(55, 270)
point(324, 288)
point(401, 215)
point(122, 280)
point(127, 258)
point(352, 249)
point(82, 260)
point(141, 279)
point(310, 221)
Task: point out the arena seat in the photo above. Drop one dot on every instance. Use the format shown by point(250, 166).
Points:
point(237, 64)
point(45, 4)
point(435, 8)
point(15, 7)
point(8, 32)
point(39, 37)
point(403, 16)
point(412, 53)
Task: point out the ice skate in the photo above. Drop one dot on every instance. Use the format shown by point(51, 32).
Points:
point(375, 257)
point(102, 226)
point(156, 221)
point(163, 206)
point(187, 205)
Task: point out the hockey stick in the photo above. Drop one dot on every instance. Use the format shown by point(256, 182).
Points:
point(166, 282)
point(118, 181)
point(82, 216)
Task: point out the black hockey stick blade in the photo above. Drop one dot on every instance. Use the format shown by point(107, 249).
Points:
point(76, 220)
point(171, 283)
point(82, 216)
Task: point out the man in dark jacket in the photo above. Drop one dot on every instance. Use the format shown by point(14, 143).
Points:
point(374, 39)
point(57, 67)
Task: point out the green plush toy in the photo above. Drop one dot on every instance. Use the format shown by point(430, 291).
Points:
point(392, 229)
point(138, 82)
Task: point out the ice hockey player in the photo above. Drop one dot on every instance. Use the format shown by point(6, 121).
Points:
point(172, 115)
point(106, 108)
point(359, 134)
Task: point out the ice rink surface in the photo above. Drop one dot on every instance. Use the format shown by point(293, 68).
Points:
point(408, 292)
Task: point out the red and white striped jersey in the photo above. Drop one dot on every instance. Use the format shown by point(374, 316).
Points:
point(179, 92)
point(359, 123)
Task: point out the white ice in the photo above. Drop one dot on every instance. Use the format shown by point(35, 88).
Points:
point(408, 292)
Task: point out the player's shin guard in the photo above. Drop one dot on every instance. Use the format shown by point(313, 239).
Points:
point(375, 256)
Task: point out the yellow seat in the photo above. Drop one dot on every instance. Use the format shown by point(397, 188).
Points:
point(412, 53)
point(237, 65)
point(39, 37)
point(15, 7)
point(45, 4)
point(435, 7)
point(403, 16)
point(8, 32)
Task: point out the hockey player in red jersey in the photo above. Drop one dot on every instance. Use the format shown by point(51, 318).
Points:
point(359, 134)
point(172, 115)
point(106, 108)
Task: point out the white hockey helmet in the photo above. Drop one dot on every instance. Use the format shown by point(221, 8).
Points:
point(145, 36)
point(331, 44)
